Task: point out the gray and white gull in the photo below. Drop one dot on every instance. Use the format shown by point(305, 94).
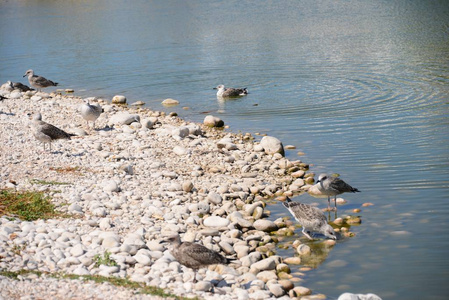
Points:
point(194, 256)
point(19, 86)
point(38, 82)
point(90, 112)
point(311, 219)
point(46, 133)
point(333, 186)
point(230, 92)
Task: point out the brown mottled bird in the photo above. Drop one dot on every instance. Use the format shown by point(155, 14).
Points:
point(230, 92)
point(194, 256)
point(46, 133)
point(310, 218)
point(38, 82)
point(19, 86)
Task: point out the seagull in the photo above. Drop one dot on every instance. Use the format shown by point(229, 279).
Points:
point(311, 219)
point(194, 256)
point(230, 92)
point(38, 82)
point(46, 133)
point(19, 86)
point(333, 186)
point(90, 112)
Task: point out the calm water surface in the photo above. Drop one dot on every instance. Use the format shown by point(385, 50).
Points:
point(360, 87)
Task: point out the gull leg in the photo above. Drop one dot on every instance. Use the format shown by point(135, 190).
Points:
point(306, 234)
point(335, 202)
point(329, 203)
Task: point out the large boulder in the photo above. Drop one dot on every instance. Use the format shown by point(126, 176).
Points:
point(272, 145)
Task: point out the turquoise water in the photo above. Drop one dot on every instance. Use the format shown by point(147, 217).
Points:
point(360, 87)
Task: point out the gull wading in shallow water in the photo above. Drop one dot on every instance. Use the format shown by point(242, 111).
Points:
point(311, 219)
point(333, 186)
point(194, 256)
point(46, 133)
point(38, 82)
point(230, 92)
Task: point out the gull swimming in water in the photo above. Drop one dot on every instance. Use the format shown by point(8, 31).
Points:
point(333, 186)
point(311, 219)
point(19, 86)
point(90, 112)
point(194, 256)
point(46, 133)
point(230, 92)
point(38, 82)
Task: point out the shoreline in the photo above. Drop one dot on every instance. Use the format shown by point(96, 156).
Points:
point(132, 185)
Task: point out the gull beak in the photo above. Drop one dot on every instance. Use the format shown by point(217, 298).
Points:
point(24, 75)
point(212, 88)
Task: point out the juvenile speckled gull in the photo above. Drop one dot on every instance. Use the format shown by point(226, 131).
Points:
point(230, 92)
point(46, 133)
point(194, 256)
point(333, 186)
point(90, 112)
point(311, 219)
point(19, 86)
point(38, 82)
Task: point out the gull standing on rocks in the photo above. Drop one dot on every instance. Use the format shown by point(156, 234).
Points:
point(333, 186)
point(19, 86)
point(311, 219)
point(194, 256)
point(38, 82)
point(46, 133)
point(230, 92)
point(90, 112)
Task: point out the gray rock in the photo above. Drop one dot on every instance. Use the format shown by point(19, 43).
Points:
point(264, 265)
point(349, 296)
point(265, 225)
point(216, 221)
point(123, 118)
point(170, 102)
point(212, 121)
point(272, 145)
point(203, 286)
point(214, 198)
point(119, 99)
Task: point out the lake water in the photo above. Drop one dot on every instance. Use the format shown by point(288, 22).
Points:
point(360, 87)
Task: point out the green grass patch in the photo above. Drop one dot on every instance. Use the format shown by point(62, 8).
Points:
point(122, 282)
point(28, 205)
point(44, 182)
point(104, 259)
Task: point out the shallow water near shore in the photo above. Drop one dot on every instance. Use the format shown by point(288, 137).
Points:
point(360, 87)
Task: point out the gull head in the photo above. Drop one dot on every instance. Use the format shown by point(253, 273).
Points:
point(29, 73)
point(329, 232)
point(220, 87)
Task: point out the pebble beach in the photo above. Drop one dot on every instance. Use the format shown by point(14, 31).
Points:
point(137, 178)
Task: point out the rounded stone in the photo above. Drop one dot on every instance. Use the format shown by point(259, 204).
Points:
point(119, 99)
point(272, 145)
point(216, 221)
point(187, 186)
point(265, 225)
point(212, 121)
point(170, 102)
